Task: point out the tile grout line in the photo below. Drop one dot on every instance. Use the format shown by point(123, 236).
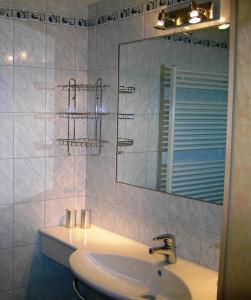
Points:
point(13, 161)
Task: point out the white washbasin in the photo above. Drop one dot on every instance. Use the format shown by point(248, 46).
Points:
point(125, 277)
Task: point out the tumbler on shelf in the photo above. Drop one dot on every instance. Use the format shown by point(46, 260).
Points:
point(85, 218)
point(70, 218)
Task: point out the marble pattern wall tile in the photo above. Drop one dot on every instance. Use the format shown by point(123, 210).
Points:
point(28, 218)
point(63, 7)
point(160, 53)
point(138, 102)
point(181, 60)
point(92, 44)
point(6, 226)
point(6, 181)
point(6, 270)
point(135, 169)
point(37, 5)
point(7, 3)
point(152, 162)
point(92, 10)
point(131, 29)
point(30, 44)
point(81, 49)
point(200, 63)
point(6, 41)
point(154, 96)
point(103, 214)
point(107, 46)
point(61, 44)
point(212, 218)
point(29, 89)
point(127, 196)
point(138, 58)
point(80, 175)
point(6, 84)
point(126, 223)
point(104, 185)
point(210, 250)
point(6, 136)
point(90, 173)
point(155, 203)
point(55, 211)
point(59, 177)
point(153, 133)
point(189, 212)
point(81, 10)
point(89, 202)
point(29, 179)
point(29, 135)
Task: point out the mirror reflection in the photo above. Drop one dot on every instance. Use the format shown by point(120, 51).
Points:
point(172, 114)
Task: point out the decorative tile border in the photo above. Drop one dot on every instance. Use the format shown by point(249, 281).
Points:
point(24, 14)
point(195, 41)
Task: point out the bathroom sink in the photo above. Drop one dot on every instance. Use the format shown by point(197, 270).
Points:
point(125, 277)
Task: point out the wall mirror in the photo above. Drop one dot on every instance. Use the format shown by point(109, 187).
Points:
point(172, 114)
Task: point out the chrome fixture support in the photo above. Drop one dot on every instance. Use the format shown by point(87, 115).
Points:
point(76, 289)
point(98, 110)
point(72, 83)
point(168, 249)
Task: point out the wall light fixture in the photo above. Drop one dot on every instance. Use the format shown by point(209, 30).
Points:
point(191, 14)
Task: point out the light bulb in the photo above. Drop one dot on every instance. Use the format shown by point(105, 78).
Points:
point(195, 20)
point(160, 23)
point(224, 26)
point(194, 13)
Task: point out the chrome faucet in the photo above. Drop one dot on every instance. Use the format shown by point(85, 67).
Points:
point(168, 249)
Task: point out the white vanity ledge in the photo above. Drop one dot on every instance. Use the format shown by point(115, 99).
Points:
point(59, 243)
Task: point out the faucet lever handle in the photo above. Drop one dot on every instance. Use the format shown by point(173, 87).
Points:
point(164, 237)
